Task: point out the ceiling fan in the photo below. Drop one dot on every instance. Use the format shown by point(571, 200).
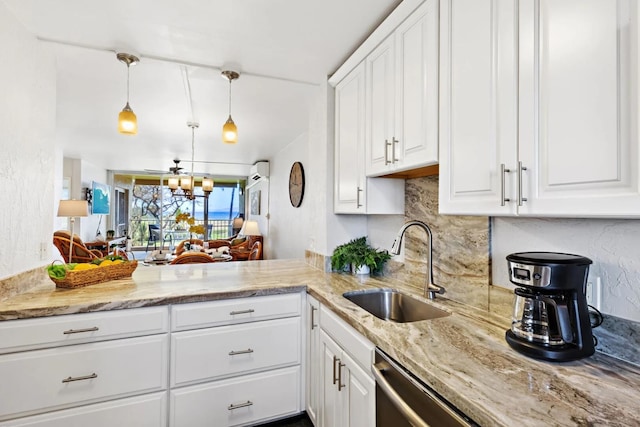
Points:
point(174, 170)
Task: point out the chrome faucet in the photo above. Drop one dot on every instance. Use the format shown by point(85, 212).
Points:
point(430, 288)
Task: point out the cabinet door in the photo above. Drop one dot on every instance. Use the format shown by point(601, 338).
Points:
point(579, 107)
point(331, 406)
point(478, 106)
point(349, 183)
point(313, 361)
point(415, 137)
point(380, 108)
point(358, 395)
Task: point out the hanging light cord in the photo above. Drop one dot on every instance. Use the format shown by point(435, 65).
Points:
point(230, 97)
point(127, 83)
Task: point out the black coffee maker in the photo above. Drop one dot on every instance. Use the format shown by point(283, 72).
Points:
point(550, 313)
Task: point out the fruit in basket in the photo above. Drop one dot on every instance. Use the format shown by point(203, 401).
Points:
point(58, 271)
point(106, 263)
point(84, 266)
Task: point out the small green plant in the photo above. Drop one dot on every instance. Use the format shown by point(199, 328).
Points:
point(357, 252)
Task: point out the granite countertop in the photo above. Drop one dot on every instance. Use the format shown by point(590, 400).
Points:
point(463, 356)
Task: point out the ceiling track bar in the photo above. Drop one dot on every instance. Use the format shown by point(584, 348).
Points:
point(176, 61)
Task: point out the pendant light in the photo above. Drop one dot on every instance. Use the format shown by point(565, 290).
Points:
point(229, 130)
point(127, 120)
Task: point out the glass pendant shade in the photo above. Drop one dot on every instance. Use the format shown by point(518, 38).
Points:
point(229, 132)
point(207, 185)
point(173, 182)
point(186, 183)
point(127, 121)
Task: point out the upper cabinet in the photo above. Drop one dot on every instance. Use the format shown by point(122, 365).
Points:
point(539, 108)
point(401, 120)
point(353, 191)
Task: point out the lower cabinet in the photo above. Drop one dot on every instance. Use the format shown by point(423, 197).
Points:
point(237, 401)
point(141, 411)
point(313, 379)
point(344, 390)
point(348, 391)
point(245, 370)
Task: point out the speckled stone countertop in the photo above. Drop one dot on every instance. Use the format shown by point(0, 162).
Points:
point(463, 356)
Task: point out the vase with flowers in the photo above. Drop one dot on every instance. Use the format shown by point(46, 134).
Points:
point(193, 228)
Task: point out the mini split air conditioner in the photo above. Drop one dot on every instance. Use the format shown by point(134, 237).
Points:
point(258, 171)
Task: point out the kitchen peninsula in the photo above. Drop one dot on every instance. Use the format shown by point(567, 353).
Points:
point(463, 356)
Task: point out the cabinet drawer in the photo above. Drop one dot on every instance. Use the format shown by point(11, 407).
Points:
point(239, 310)
point(141, 411)
point(230, 350)
point(360, 348)
point(29, 334)
point(41, 380)
point(257, 397)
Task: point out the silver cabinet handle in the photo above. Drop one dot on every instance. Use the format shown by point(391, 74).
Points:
point(411, 416)
point(393, 149)
point(358, 205)
point(233, 313)
point(386, 152)
point(235, 353)
point(503, 172)
point(313, 321)
point(520, 169)
point(79, 331)
point(239, 405)
point(335, 359)
point(86, 377)
point(340, 385)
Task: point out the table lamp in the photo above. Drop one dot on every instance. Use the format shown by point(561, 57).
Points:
point(250, 228)
point(72, 209)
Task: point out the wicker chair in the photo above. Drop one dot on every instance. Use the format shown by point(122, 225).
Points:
point(62, 241)
point(193, 258)
point(256, 252)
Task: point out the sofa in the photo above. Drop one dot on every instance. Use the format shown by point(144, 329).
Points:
point(239, 247)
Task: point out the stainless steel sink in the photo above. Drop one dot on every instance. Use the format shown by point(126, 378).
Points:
point(389, 304)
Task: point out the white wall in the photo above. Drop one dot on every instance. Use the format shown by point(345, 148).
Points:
point(27, 126)
point(289, 226)
point(613, 245)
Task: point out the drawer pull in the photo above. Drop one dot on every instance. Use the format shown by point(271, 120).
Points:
point(335, 378)
point(251, 310)
point(239, 405)
point(313, 321)
point(234, 353)
point(79, 331)
point(340, 385)
point(86, 377)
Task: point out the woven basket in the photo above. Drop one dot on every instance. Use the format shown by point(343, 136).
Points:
point(78, 279)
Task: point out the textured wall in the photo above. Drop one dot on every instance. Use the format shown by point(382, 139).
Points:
point(27, 125)
point(613, 245)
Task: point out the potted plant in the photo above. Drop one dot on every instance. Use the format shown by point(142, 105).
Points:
point(359, 257)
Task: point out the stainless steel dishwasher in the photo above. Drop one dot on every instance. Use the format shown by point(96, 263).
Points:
point(403, 400)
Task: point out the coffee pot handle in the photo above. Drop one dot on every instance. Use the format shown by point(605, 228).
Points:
point(564, 321)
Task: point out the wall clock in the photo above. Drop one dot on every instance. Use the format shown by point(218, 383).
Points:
point(296, 184)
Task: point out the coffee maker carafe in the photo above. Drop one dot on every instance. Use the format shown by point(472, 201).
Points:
point(550, 314)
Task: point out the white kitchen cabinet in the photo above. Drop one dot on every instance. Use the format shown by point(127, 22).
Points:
point(85, 359)
point(348, 388)
point(348, 391)
point(236, 362)
point(539, 108)
point(401, 119)
point(353, 191)
point(313, 395)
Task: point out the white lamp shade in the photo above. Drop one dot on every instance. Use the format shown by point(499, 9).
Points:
point(73, 208)
point(250, 228)
point(186, 183)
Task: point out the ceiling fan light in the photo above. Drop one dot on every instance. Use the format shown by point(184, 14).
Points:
point(229, 132)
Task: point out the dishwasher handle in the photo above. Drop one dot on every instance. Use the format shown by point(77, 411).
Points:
point(411, 416)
